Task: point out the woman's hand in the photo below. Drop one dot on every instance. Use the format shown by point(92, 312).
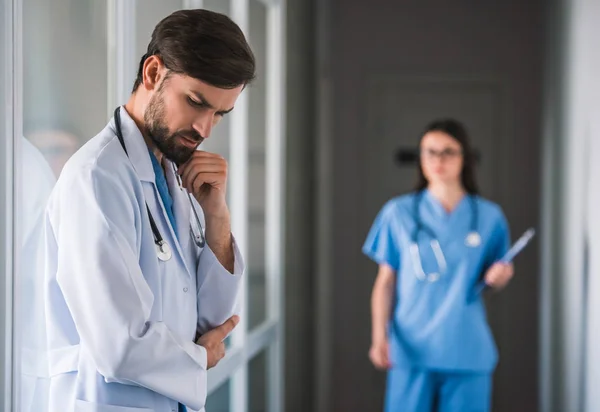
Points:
point(381, 308)
point(380, 354)
point(499, 275)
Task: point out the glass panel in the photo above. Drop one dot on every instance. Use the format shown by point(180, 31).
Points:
point(257, 383)
point(64, 104)
point(219, 401)
point(256, 161)
point(218, 141)
point(64, 46)
point(147, 15)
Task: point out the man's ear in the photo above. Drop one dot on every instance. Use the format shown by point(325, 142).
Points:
point(153, 72)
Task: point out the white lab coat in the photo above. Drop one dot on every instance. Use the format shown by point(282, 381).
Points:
point(121, 323)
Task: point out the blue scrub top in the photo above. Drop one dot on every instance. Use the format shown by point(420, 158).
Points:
point(440, 325)
point(163, 189)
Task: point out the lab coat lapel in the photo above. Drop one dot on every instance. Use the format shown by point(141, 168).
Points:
point(140, 159)
point(137, 150)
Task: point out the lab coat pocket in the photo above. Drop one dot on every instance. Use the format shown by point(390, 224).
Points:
point(84, 406)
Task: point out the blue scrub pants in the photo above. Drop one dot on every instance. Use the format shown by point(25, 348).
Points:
point(422, 390)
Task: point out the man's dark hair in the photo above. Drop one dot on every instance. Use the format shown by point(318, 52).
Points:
point(202, 44)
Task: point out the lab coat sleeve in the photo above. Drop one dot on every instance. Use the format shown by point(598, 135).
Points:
point(108, 297)
point(381, 244)
point(217, 288)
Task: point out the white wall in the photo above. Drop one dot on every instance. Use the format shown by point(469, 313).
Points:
point(570, 327)
point(592, 361)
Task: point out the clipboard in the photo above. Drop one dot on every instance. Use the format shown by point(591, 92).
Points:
point(514, 250)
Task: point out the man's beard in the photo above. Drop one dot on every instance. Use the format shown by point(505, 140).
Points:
point(158, 131)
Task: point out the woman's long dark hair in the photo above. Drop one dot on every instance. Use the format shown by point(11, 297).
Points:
point(458, 132)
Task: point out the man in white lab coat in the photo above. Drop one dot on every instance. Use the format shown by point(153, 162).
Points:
point(142, 268)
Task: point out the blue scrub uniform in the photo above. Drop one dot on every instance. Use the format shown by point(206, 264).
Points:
point(441, 347)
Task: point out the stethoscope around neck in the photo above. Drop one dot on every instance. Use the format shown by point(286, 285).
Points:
point(473, 239)
point(163, 250)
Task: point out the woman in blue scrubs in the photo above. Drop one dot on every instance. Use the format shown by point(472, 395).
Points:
point(436, 248)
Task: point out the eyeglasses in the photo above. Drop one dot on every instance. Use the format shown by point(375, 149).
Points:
point(430, 154)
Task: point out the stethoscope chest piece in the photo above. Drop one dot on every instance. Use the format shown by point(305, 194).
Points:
point(473, 239)
point(163, 251)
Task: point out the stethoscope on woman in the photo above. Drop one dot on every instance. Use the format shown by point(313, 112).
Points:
point(163, 250)
point(473, 239)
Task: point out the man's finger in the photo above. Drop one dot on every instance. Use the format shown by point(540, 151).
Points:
point(188, 180)
point(204, 153)
point(212, 179)
point(199, 155)
point(193, 183)
point(202, 163)
point(226, 328)
point(190, 175)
